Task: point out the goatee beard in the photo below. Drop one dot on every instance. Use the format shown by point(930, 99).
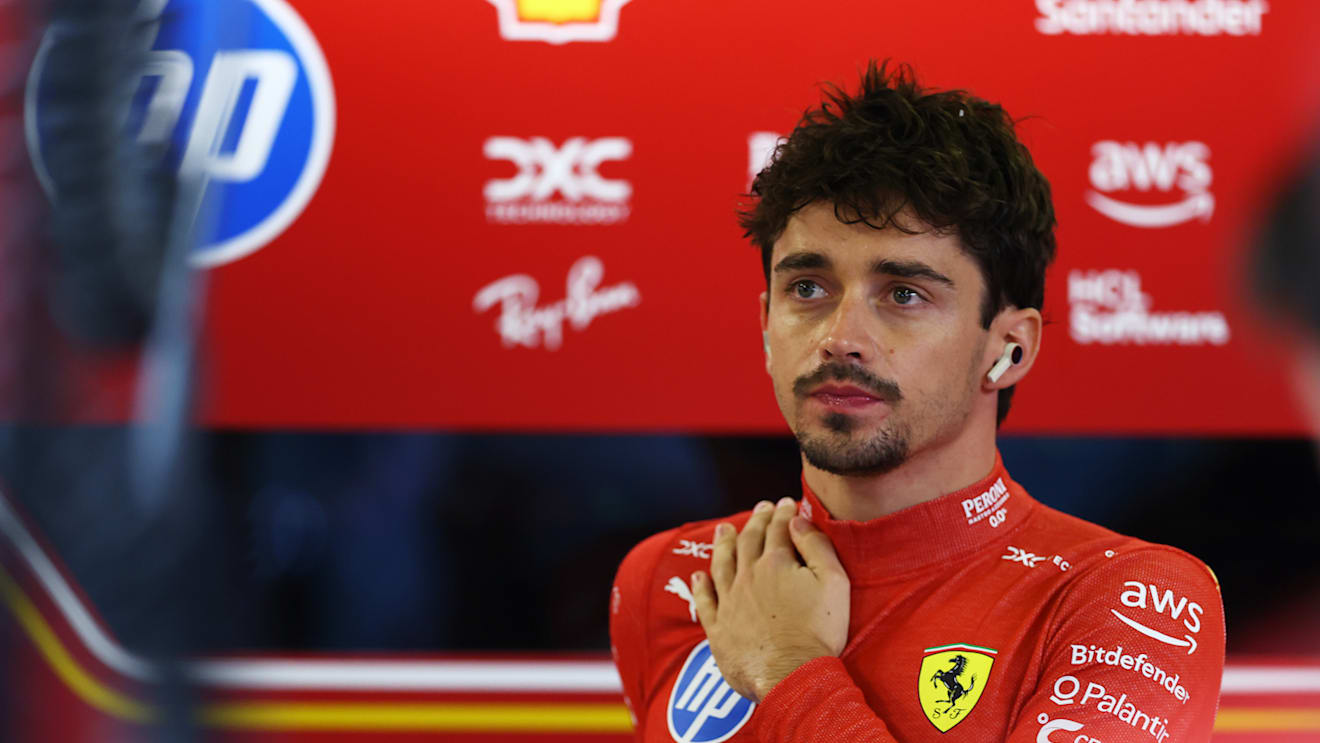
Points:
point(836, 452)
point(839, 455)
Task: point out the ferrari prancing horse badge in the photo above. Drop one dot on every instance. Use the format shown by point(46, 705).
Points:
point(951, 681)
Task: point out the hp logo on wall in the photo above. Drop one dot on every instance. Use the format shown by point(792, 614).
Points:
point(702, 707)
point(235, 95)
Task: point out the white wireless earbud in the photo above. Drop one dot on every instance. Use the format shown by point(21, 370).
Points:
point(765, 343)
point(1012, 354)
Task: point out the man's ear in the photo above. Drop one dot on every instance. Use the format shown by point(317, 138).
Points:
point(765, 332)
point(1013, 325)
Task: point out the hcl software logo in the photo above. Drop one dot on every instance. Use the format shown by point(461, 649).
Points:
point(249, 115)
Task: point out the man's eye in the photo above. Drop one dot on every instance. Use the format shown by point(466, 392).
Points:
point(806, 289)
point(904, 295)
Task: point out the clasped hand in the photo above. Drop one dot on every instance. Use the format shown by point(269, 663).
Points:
point(776, 598)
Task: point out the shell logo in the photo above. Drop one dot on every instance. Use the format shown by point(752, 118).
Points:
point(559, 11)
point(558, 21)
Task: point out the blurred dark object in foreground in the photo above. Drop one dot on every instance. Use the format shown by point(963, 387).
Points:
point(96, 273)
point(1286, 263)
point(111, 200)
point(1285, 273)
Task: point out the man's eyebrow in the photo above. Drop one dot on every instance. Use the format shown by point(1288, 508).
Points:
point(910, 270)
point(801, 260)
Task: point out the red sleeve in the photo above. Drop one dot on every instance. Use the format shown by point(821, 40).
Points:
point(629, 610)
point(818, 702)
point(1135, 652)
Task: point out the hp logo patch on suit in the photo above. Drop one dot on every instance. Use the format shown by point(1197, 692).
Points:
point(703, 708)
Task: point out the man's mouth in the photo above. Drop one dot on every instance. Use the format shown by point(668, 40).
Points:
point(844, 396)
point(842, 387)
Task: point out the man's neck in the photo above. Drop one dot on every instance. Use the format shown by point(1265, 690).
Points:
point(926, 475)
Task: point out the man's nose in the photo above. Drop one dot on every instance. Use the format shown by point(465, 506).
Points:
point(847, 335)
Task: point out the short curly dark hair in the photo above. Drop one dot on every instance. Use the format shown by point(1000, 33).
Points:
point(951, 159)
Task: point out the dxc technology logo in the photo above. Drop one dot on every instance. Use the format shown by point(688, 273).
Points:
point(568, 171)
point(251, 120)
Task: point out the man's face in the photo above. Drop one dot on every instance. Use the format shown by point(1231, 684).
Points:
point(875, 341)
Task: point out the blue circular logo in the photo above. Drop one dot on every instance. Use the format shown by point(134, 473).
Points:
point(703, 708)
point(236, 96)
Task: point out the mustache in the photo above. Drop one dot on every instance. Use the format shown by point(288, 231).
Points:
point(881, 388)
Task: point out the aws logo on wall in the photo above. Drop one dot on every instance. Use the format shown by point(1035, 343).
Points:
point(1153, 184)
point(235, 95)
point(558, 21)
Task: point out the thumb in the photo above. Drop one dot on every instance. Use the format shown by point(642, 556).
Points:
point(816, 549)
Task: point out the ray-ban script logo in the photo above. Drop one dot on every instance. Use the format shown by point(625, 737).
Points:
point(522, 323)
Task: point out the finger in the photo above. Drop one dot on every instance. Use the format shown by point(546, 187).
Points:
point(703, 595)
point(722, 552)
point(816, 549)
point(776, 534)
point(752, 539)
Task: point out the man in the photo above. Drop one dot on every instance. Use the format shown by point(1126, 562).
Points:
point(915, 592)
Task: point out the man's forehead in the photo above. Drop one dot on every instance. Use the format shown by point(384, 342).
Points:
point(815, 230)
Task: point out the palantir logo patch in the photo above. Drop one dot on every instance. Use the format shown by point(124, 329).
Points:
point(252, 119)
point(702, 706)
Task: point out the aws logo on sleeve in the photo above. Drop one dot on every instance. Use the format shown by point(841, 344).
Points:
point(1148, 597)
point(703, 708)
point(951, 681)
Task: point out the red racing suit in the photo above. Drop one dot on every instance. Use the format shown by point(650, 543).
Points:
point(982, 615)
